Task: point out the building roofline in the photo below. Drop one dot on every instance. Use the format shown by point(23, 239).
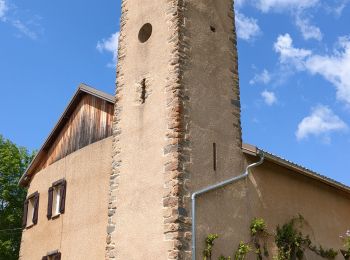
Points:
point(82, 89)
point(254, 151)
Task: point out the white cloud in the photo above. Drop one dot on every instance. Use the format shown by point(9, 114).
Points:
point(308, 30)
point(247, 27)
point(290, 55)
point(335, 68)
point(3, 9)
point(297, 9)
point(239, 3)
point(23, 29)
point(300, 11)
point(264, 77)
point(281, 5)
point(321, 122)
point(110, 45)
point(269, 97)
point(29, 27)
point(338, 8)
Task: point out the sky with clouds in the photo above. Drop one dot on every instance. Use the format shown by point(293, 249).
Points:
point(294, 63)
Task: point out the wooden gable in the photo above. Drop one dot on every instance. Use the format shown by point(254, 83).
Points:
point(87, 119)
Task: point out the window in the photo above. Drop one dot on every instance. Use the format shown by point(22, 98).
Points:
point(52, 256)
point(57, 199)
point(30, 212)
point(145, 32)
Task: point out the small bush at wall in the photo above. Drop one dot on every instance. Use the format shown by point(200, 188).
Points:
point(259, 233)
point(346, 240)
point(209, 243)
point(325, 253)
point(291, 243)
point(257, 226)
point(242, 251)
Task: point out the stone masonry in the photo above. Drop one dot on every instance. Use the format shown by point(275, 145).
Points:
point(177, 221)
point(112, 204)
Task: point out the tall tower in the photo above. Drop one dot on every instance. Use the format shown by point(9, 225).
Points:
point(177, 122)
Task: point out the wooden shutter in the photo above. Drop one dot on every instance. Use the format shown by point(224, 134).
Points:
point(63, 196)
point(44, 258)
point(36, 208)
point(49, 203)
point(25, 212)
point(57, 256)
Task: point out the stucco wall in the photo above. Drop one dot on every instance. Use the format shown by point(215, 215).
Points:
point(164, 146)
point(214, 109)
point(276, 194)
point(80, 232)
point(136, 223)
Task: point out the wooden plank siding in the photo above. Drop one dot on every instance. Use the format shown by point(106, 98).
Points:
point(90, 122)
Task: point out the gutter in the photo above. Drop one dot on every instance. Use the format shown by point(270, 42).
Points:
point(214, 187)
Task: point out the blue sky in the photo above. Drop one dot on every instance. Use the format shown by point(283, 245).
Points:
point(294, 63)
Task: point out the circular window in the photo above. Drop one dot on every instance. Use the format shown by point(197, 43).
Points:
point(145, 32)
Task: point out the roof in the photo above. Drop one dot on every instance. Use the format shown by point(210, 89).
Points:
point(80, 92)
point(253, 150)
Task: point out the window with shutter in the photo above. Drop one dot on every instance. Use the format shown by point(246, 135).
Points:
point(63, 196)
point(31, 209)
point(35, 208)
point(56, 199)
point(49, 204)
point(53, 256)
point(58, 256)
point(25, 213)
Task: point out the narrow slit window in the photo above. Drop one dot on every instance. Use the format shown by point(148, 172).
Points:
point(143, 91)
point(214, 157)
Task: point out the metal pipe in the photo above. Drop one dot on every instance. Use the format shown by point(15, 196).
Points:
point(214, 187)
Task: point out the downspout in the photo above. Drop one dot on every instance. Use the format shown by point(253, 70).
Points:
point(214, 187)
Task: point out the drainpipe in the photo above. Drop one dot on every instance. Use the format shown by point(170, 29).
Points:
point(214, 187)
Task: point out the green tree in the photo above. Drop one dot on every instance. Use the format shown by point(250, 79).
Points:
point(13, 162)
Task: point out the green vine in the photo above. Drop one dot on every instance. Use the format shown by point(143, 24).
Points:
point(258, 231)
point(290, 242)
point(242, 251)
point(209, 243)
point(257, 226)
point(346, 240)
point(325, 253)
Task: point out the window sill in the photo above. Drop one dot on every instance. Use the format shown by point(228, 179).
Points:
point(56, 216)
point(30, 226)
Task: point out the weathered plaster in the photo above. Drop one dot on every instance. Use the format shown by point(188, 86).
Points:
point(79, 232)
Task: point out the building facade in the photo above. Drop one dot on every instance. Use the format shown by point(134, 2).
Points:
point(66, 207)
point(115, 178)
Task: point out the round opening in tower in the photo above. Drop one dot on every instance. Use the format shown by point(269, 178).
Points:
point(145, 32)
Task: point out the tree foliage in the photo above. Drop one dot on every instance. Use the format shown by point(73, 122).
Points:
point(13, 162)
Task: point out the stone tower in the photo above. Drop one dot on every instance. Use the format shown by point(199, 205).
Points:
point(177, 122)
